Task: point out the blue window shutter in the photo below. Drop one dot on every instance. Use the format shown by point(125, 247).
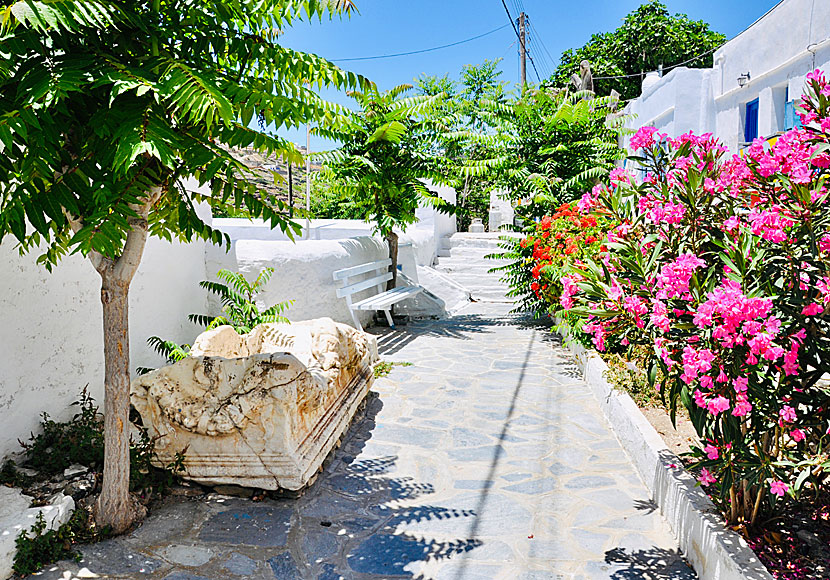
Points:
point(751, 122)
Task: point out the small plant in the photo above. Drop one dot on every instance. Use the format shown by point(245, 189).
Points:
point(39, 547)
point(79, 440)
point(383, 368)
point(625, 375)
point(238, 299)
point(144, 476)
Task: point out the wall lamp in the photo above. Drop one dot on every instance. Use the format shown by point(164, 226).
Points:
point(743, 79)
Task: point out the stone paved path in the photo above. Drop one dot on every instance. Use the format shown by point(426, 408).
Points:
point(486, 459)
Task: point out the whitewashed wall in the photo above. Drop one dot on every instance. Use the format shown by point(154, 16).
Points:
point(51, 336)
point(303, 272)
point(51, 333)
point(777, 51)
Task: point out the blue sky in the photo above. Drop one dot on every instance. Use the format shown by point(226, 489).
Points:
point(394, 26)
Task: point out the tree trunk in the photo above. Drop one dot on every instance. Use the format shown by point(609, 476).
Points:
point(392, 242)
point(114, 508)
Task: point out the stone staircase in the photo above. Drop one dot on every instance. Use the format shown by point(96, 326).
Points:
point(462, 258)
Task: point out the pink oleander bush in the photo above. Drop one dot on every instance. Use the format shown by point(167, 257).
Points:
point(721, 267)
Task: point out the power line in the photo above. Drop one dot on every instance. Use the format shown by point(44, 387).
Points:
point(519, 36)
point(422, 50)
point(512, 23)
point(550, 59)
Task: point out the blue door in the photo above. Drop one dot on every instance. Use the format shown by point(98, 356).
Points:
point(751, 123)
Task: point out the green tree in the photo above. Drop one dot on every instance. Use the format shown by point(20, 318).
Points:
point(105, 106)
point(649, 37)
point(468, 102)
point(387, 153)
point(549, 147)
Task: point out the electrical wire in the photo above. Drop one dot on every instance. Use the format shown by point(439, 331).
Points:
point(519, 36)
point(422, 50)
point(552, 61)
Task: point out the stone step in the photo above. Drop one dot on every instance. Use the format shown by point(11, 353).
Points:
point(451, 265)
point(475, 253)
point(487, 240)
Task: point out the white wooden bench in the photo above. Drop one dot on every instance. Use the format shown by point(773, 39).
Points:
point(383, 300)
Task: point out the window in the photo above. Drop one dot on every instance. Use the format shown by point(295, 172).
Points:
point(751, 121)
point(791, 118)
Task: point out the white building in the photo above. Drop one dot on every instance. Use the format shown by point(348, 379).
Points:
point(756, 78)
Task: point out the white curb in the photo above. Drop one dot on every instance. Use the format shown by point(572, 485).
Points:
point(715, 552)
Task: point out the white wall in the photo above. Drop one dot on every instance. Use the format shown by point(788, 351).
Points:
point(51, 338)
point(777, 51)
point(303, 272)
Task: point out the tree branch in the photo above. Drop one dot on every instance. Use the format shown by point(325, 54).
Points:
point(99, 262)
point(127, 264)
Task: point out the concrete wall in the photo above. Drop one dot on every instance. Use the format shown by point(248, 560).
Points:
point(777, 51)
point(51, 338)
point(303, 272)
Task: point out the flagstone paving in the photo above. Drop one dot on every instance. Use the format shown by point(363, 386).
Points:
point(488, 458)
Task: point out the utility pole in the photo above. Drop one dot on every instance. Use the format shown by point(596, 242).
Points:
point(522, 50)
point(290, 192)
point(308, 181)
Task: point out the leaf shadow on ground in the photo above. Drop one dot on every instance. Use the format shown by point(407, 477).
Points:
point(349, 524)
point(651, 564)
point(459, 327)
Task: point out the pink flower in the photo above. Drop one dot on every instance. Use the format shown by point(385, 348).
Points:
point(731, 223)
point(812, 309)
point(718, 405)
point(770, 224)
point(742, 406)
point(788, 414)
point(643, 138)
point(778, 488)
point(659, 316)
point(711, 452)
point(706, 478)
point(797, 435)
point(569, 289)
point(674, 277)
point(619, 175)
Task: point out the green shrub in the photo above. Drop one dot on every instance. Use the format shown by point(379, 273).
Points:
point(39, 547)
point(59, 445)
point(81, 440)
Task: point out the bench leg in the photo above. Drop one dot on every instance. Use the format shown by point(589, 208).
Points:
point(356, 319)
point(389, 318)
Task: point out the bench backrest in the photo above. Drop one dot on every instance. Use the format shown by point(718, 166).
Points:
point(381, 268)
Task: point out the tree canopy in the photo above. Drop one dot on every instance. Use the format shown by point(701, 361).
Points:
point(650, 36)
